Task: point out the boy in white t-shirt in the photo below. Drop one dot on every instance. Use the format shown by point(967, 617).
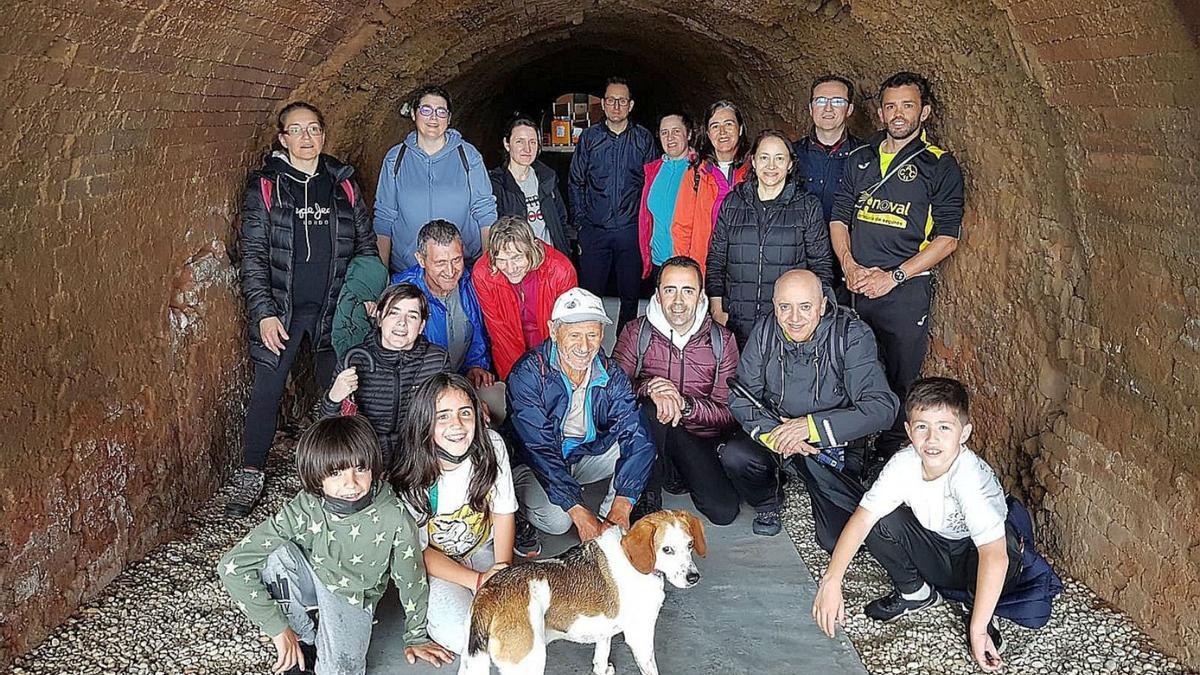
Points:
point(935, 518)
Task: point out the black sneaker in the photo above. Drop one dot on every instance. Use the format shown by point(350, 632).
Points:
point(675, 486)
point(528, 544)
point(649, 502)
point(993, 629)
point(247, 490)
point(892, 606)
point(766, 523)
point(310, 660)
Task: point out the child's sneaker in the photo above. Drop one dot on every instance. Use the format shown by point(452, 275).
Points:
point(892, 606)
point(528, 544)
point(993, 629)
point(766, 523)
point(247, 489)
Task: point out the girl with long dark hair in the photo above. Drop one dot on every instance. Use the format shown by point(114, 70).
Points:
point(453, 474)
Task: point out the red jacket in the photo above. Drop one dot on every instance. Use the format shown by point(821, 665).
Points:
point(691, 369)
point(502, 311)
point(701, 193)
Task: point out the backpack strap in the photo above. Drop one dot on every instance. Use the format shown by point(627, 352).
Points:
point(462, 155)
point(643, 345)
point(718, 347)
point(348, 188)
point(266, 187)
point(399, 158)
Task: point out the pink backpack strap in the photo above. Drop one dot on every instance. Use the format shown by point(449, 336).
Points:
point(348, 188)
point(266, 186)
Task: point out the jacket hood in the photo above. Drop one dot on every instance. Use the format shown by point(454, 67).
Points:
point(276, 162)
point(453, 140)
point(364, 274)
point(821, 334)
point(656, 317)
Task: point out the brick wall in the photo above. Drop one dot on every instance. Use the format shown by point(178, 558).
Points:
point(126, 131)
point(1070, 310)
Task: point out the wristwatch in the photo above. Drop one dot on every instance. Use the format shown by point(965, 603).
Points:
point(688, 408)
point(898, 275)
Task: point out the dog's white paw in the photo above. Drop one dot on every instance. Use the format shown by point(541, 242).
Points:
point(608, 670)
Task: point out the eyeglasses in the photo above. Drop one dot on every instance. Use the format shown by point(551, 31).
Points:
point(314, 130)
point(615, 102)
point(836, 101)
point(430, 111)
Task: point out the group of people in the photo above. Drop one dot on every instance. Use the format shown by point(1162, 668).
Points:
point(467, 399)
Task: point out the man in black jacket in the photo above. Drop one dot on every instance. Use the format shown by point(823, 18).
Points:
point(607, 172)
point(897, 215)
point(821, 155)
point(813, 367)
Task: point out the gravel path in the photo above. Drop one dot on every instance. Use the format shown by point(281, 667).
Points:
point(168, 613)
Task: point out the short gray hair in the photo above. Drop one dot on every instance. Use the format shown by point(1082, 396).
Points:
point(442, 232)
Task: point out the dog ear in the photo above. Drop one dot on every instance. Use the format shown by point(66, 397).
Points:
point(638, 544)
point(696, 529)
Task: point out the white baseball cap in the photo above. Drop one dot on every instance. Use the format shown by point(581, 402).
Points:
point(577, 305)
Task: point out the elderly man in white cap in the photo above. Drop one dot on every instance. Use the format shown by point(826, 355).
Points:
point(578, 422)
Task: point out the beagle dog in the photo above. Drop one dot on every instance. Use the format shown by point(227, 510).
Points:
point(610, 585)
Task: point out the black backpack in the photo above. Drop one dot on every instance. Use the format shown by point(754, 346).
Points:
point(643, 344)
point(462, 156)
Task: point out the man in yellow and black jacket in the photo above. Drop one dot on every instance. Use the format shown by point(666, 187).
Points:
point(897, 214)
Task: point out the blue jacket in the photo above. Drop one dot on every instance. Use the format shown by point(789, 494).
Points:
point(821, 168)
point(538, 397)
point(607, 172)
point(427, 188)
point(435, 328)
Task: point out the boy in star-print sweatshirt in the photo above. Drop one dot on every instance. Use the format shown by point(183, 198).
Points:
point(332, 547)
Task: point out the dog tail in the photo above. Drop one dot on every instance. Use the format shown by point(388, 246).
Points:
point(477, 637)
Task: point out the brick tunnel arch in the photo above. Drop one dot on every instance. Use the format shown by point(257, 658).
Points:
point(128, 130)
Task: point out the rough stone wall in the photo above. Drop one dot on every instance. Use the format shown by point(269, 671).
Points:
point(1070, 309)
point(128, 129)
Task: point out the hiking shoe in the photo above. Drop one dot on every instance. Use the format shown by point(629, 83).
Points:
point(892, 606)
point(527, 543)
point(993, 629)
point(766, 523)
point(650, 502)
point(247, 490)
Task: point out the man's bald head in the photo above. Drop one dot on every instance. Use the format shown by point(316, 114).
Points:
point(799, 304)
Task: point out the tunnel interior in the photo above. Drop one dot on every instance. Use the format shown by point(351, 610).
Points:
point(131, 128)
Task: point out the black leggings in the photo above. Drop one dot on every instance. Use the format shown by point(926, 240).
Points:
point(695, 460)
point(262, 415)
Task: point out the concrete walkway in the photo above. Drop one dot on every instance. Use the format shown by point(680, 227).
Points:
point(749, 614)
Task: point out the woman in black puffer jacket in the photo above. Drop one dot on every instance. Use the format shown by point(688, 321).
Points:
point(303, 219)
point(766, 226)
point(384, 370)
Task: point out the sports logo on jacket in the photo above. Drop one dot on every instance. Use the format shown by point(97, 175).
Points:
point(907, 173)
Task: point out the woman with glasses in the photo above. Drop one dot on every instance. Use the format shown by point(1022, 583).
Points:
point(303, 219)
point(434, 174)
point(528, 189)
point(768, 225)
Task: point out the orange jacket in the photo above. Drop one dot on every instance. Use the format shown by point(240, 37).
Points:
point(701, 193)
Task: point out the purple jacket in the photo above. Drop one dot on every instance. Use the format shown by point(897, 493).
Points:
point(693, 368)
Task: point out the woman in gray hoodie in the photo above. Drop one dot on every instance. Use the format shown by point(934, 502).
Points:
point(434, 174)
